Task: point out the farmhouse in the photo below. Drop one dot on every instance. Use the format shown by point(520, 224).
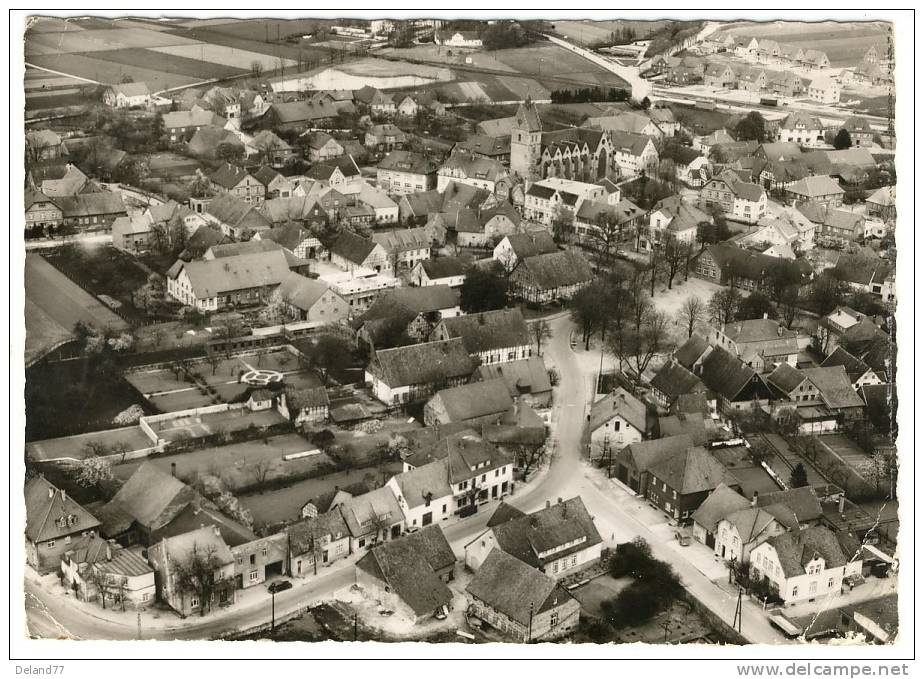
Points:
point(475, 403)
point(819, 189)
point(402, 172)
point(616, 420)
point(680, 484)
point(126, 95)
point(237, 181)
point(489, 336)
point(53, 522)
point(307, 299)
point(235, 217)
point(411, 373)
point(549, 277)
point(439, 271)
point(311, 404)
point(94, 569)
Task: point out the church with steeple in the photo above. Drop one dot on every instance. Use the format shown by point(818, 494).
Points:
point(576, 153)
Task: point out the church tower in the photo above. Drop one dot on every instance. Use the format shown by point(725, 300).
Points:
point(526, 142)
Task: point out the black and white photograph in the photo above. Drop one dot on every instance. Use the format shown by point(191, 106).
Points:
point(537, 333)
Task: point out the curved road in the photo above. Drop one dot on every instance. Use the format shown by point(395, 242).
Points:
point(619, 516)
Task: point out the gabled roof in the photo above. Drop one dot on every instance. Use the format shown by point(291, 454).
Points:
point(527, 375)
point(801, 501)
point(303, 533)
point(51, 514)
point(646, 454)
point(131, 89)
point(407, 161)
point(554, 270)
point(622, 403)
point(307, 397)
point(801, 119)
point(152, 497)
point(300, 291)
point(198, 514)
point(532, 243)
point(528, 536)
point(515, 589)
point(419, 300)
point(227, 208)
point(443, 267)
point(409, 565)
point(691, 351)
point(427, 482)
point(751, 523)
point(698, 426)
point(300, 111)
point(33, 196)
point(267, 140)
point(721, 502)
point(795, 549)
point(323, 169)
point(207, 139)
point(485, 145)
point(724, 374)
point(266, 175)
point(786, 378)
point(693, 471)
point(352, 247)
point(422, 363)
point(489, 330)
point(835, 386)
point(89, 204)
point(475, 400)
point(229, 175)
point(402, 240)
point(473, 167)
point(673, 380)
point(855, 367)
point(210, 278)
point(179, 548)
point(504, 513)
point(815, 186)
point(627, 142)
point(194, 118)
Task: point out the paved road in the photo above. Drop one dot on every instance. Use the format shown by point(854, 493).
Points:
point(619, 515)
point(641, 88)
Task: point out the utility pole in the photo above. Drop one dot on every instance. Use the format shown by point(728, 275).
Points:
point(139, 625)
point(736, 623)
point(529, 630)
point(273, 618)
point(354, 627)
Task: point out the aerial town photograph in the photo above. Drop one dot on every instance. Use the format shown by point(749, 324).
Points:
point(459, 331)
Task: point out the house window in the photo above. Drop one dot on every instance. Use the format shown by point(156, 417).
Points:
point(253, 559)
point(264, 551)
point(145, 596)
point(830, 583)
point(795, 591)
point(813, 586)
point(51, 543)
point(194, 602)
point(253, 576)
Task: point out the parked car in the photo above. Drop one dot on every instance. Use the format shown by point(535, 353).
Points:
point(682, 537)
point(279, 586)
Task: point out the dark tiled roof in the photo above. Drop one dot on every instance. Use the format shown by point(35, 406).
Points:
point(489, 330)
point(152, 496)
point(514, 588)
point(721, 502)
point(229, 175)
point(786, 378)
point(422, 363)
point(621, 403)
point(674, 380)
point(504, 513)
point(532, 243)
point(51, 513)
point(801, 501)
point(352, 247)
point(796, 549)
point(690, 351)
point(554, 270)
point(724, 374)
point(694, 471)
point(475, 400)
point(409, 566)
point(443, 267)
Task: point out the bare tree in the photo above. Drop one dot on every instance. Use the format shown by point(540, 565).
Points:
point(200, 573)
point(724, 305)
point(214, 360)
point(607, 233)
point(541, 331)
point(256, 68)
point(692, 313)
point(651, 339)
point(675, 256)
point(789, 305)
point(261, 470)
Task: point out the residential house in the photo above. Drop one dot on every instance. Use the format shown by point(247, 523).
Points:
point(335, 171)
point(859, 373)
point(206, 140)
point(836, 391)
point(412, 373)
point(414, 311)
point(720, 503)
point(467, 39)
point(633, 153)
point(307, 299)
point(627, 121)
point(706, 143)
point(634, 461)
point(321, 146)
point(557, 540)
point(45, 145)
point(672, 381)
point(404, 248)
point(819, 189)
point(814, 60)
point(719, 75)
point(526, 379)
point(671, 219)
point(482, 228)
point(402, 172)
point(236, 181)
point(803, 565)
point(132, 234)
point(554, 276)
point(802, 128)
point(482, 173)
point(235, 217)
point(42, 212)
point(824, 90)
point(752, 79)
point(239, 280)
point(448, 271)
point(127, 95)
point(485, 146)
point(616, 420)
point(405, 105)
point(291, 234)
point(729, 265)
point(274, 183)
point(180, 126)
point(204, 545)
point(626, 215)
point(258, 560)
point(786, 84)
point(742, 530)
point(475, 403)
point(881, 203)
point(371, 518)
point(409, 574)
point(385, 138)
point(296, 116)
point(95, 569)
point(351, 251)
point(268, 148)
point(679, 485)
point(861, 134)
point(301, 406)
point(761, 343)
point(318, 541)
point(523, 603)
point(424, 494)
point(54, 522)
point(740, 201)
point(736, 386)
point(490, 336)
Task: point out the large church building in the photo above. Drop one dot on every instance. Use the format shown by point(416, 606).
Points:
point(577, 153)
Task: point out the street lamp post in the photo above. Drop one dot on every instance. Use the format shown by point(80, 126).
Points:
point(273, 618)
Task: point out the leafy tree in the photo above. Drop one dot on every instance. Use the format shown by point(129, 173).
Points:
point(799, 476)
point(200, 572)
point(842, 140)
point(693, 311)
point(483, 290)
point(330, 354)
point(723, 307)
point(588, 310)
point(825, 293)
point(752, 126)
point(755, 305)
point(93, 471)
point(229, 153)
point(256, 68)
point(562, 225)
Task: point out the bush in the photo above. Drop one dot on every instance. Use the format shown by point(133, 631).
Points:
point(635, 605)
point(631, 559)
point(322, 439)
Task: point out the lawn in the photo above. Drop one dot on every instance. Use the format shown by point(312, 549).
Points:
point(670, 301)
point(556, 67)
point(108, 72)
point(221, 54)
point(590, 32)
point(102, 270)
point(598, 590)
point(187, 65)
point(106, 39)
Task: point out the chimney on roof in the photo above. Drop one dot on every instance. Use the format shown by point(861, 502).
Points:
point(765, 315)
point(840, 505)
point(559, 501)
point(548, 503)
point(754, 499)
point(215, 529)
point(51, 492)
point(779, 329)
point(173, 469)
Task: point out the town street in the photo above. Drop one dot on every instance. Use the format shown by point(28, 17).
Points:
point(619, 515)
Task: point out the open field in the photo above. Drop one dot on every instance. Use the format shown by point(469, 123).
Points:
point(210, 423)
point(551, 60)
point(108, 72)
point(198, 68)
point(220, 54)
point(590, 32)
point(102, 40)
point(844, 43)
point(253, 42)
point(62, 301)
point(36, 79)
point(75, 446)
point(236, 462)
